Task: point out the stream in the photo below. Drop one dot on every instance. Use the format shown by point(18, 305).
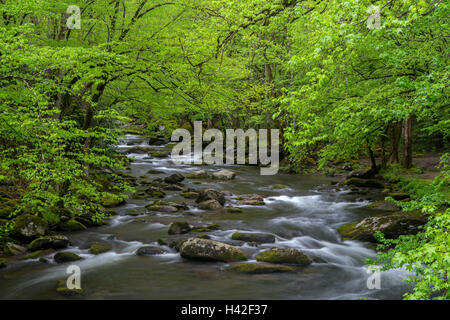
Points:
point(305, 215)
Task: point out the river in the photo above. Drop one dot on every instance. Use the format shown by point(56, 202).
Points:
point(305, 215)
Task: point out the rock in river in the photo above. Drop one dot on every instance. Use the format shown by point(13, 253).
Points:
point(210, 205)
point(224, 175)
point(392, 226)
point(253, 237)
point(211, 194)
point(174, 178)
point(150, 251)
point(99, 247)
point(261, 268)
point(49, 242)
point(284, 255)
point(179, 228)
point(62, 257)
point(210, 250)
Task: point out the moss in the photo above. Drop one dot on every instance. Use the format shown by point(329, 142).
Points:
point(33, 255)
point(284, 255)
point(7, 207)
point(279, 186)
point(154, 171)
point(72, 225)
point(47, 242)
point(61, 289)
point(62, 257)
point(234, 210)
point(28, 227)
point(109, 202)
point(99, 247)
point(203, 236)
point(196, 182)
point(190, 195)
point(2, 263)
point(384, 205)
point(261, 268)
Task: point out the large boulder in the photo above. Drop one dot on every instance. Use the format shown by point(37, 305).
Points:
point(253, 237)
point(49, 242)
point(210, 250)
point(211, 194)
point(224, 175)
point(179, 228)
point(392, 226)
point(28, 227)
point(367, 183)
point(284, 255)
point(174, 178)
point(261, 268)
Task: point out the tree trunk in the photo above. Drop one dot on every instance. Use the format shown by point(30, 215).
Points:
point(407, 143)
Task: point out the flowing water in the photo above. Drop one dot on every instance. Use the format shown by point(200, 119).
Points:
point(300, 216)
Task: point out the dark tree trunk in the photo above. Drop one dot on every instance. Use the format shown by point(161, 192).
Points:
point(407, 143)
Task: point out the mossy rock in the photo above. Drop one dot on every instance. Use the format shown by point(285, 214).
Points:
point(150, 251)
point(155, 193)
point(279, 186)
point(210, 205)
point(196, 182)
point(210, 250)
point(7, 207)
point(63, 257)
point(179, 228)
point(160, 154)
point(392, 226)
point(203, 236)
point(253, 202)
point(49, 242)
point(161, 208)
point(190, 195)
point(364, 183)
point(261, 268)
point(3, 263)
point(234, 210)
point(61, 289)
point(399, 196)
point(13, 249)
point(253, 237)
point(284, 255)
point(99, 247)
point(201, 174)
point(72, 225)
point(383, 205)
point(109, 202)
point(28, 227)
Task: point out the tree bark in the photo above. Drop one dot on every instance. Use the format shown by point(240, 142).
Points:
point(407, 143)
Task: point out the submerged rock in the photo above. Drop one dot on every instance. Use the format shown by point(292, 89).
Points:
point(234, 210)
point(161, 208)
point(392, 226)
point(253, 237)
point(190, 194)
point(150, 251)
point(179, 228)
point(28, 227)
point(210, 250)
point(62, 257)
point(261, 268)
point(99, 247)
point(284, 255)
point(49, 242)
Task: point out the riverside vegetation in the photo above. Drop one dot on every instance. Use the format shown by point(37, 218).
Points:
point(366, 107)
